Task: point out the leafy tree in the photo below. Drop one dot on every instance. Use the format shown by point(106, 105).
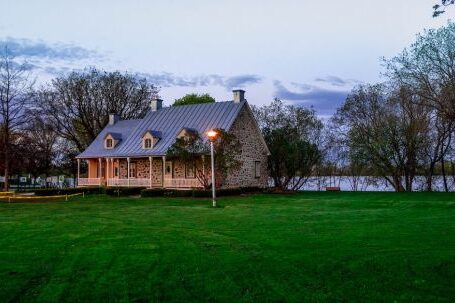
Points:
point(292, 158)
point(191, 148)
point(194, 99)
point(292, 134)
point(79, 104)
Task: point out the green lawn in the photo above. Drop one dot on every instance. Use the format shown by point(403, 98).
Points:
point(308, 247)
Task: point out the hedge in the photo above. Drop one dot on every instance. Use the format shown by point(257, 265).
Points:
point(198, 193)
point(124, 191)
point(154, 192)
point(68, 191)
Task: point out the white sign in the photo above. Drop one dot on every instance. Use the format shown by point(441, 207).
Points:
point(23, 179)
point(2, 179)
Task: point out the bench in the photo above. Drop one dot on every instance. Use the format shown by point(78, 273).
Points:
point(332, 188)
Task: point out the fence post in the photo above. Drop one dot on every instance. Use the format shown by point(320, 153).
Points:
point(83, 194)
point(66, 197)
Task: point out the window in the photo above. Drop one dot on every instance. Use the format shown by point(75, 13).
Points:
point(190, 171)
point(257, 169)
point(168, 169)
point(115, 171)
point(132, 170)
point(108, 143)
point(147, 143)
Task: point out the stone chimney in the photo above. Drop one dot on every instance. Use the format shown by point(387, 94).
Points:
point(239, 95)
point(113, 118)
point(156, 104)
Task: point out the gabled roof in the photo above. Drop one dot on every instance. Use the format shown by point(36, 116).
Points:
point(115, 136)
point(154, 133)
point(168, 122)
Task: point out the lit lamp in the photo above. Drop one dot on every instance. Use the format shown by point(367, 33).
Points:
point(212, 135)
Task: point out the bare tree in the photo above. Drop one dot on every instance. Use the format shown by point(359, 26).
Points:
point(428, 68)
point(385, 130)
point(15, 93)
point(79, 104)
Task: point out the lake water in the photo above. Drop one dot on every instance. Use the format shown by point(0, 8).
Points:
point(366, 183)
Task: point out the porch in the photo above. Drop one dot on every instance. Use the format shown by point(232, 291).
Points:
point(150, 172)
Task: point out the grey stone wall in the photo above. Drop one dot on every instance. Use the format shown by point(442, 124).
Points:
point(244, 128)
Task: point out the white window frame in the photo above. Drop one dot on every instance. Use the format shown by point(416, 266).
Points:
point(133, 172)
point(193, 166)
point(257, 169)
point(111, 145)
point(145, 143)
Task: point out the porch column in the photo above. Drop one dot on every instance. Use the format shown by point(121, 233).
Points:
point(78, 170)
point(128, 160)
point(150, 172)
point(203, 165)
point(112, 168)
point(164, 169)
point(99, 169)
point(107, 171)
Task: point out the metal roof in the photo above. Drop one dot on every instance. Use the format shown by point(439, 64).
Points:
point(168, 121)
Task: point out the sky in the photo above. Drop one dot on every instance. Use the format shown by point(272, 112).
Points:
point(307, 53)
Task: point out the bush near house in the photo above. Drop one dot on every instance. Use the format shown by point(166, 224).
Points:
point(198, 193)
point(154, 192)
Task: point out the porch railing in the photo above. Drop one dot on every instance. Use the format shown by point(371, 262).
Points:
point(169, 183)
point(181, 183)
point(124, 182)
point(88, 181)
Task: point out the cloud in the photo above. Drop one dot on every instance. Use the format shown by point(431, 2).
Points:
point(325, 101)
point(38, 49)
point(241, 81)
point(170, 80)
point(336, 81)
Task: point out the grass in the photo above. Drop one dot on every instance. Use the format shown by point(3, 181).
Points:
point(307, 247)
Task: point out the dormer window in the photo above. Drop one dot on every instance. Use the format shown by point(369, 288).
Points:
point(147, 143)
point(150, 139)
point(187, 134)
point(111, 140)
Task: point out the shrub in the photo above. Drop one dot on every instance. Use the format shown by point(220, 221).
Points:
point(154, 192)
point(198, 193)
point(57, 191)
point(124, 191)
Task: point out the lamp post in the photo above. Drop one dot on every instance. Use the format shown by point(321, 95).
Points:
point(212, 137)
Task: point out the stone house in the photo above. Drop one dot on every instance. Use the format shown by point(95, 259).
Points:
point(133, 152)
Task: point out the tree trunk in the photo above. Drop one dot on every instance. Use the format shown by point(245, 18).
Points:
point(430, 178)
point(6, 161)
point(397, 184)
point(444, 177)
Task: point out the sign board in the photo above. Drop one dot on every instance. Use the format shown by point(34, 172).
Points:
point(22, 179)
point(2, 179)
point(61, 179)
